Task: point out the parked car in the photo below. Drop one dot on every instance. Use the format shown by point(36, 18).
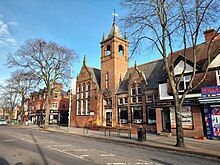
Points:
point(3, 122)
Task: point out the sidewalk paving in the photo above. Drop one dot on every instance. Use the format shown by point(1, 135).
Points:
point(208, 148)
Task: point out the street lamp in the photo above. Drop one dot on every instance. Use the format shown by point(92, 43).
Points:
point(70, 100)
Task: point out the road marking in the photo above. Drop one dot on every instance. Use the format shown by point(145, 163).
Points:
point(84, 155)
point(80, 157)
point(9, 140)
point(107, 155)
point(117, 163)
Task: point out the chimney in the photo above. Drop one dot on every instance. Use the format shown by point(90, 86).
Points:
point(210, 34)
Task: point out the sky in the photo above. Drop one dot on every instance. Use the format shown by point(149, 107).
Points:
point(76, 24)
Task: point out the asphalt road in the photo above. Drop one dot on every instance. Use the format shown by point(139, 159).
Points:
point(24, 146)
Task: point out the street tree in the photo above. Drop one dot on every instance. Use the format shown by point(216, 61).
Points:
point(8, 100)
point(21, 83)
point(166, 26)
point(49, 62)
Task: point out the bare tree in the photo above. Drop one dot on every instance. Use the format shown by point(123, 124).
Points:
point(8, 100)
point(48, 61)
point(169, 25)
point(21, 83)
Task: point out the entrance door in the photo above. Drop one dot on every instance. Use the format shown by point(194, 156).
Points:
point(108, 118)
point(166, 120)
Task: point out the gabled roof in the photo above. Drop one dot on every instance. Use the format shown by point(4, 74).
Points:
point(153, 73)
point(97, 75)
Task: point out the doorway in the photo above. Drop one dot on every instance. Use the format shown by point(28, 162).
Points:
point(166, 120)
point(108, 118)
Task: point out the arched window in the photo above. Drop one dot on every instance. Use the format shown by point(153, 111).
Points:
point(106, 80)
point(108, 50)
point(120, 50)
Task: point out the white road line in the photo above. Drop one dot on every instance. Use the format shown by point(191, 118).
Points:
point(80, 157)
point(9, 140)
point(84, 156)
point(117, 163)
point(107, 155)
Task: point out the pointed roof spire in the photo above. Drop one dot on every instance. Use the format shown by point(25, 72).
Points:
point(114, 29)
point(84, 60)
point(103, 37)
point(114, 17)
point(135, 64)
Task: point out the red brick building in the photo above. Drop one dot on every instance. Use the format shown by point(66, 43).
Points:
point(117, 95)
point(59, 106)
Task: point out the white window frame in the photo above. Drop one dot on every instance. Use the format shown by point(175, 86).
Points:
point(55, 105)
point(218, 77)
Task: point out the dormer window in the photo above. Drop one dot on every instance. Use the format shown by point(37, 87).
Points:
point(184, 83)
point(218, 77)
point(120, 50)
point(108, 50)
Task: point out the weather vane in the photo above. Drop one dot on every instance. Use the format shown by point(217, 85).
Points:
point(114, 16)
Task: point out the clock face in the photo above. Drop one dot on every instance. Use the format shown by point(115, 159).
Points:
point(106, 92)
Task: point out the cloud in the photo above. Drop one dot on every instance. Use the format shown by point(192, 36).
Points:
point(6, 38)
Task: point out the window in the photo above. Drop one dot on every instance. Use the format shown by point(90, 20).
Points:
point(133, 99)
point(123, 115)
point(120, 101)
point(133, 91)
point(125, 100)
point(156, 97)
point(137, 115)
point(55, 95)
point(218, 77)
point(107, 80)
point(184, 83)
point(139, 91)
point(149, 98)
point(139, 99)
point(120, 50)
point(108, 50)
point(55, 105)
point(151, 116)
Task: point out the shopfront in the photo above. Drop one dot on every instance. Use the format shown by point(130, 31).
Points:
point(211, 107)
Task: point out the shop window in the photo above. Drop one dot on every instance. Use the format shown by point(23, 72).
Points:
point(137, 115)
point(151, 116)
point(218, 77)
point(156, 97)
point(123, 115)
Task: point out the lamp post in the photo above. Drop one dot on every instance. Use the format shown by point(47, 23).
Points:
point(70, 100)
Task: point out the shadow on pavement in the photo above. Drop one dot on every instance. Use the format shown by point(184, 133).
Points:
point(39, 149)
point(3, 161)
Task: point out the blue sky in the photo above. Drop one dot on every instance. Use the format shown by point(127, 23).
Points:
point(76, 24)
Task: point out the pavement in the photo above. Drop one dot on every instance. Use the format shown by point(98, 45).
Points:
point(205, 148)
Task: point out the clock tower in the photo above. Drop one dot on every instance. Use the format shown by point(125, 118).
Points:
point(114, 65)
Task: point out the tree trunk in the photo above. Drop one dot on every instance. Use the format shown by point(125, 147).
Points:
point(22, 109)
point(47, 111)
point(179, 127)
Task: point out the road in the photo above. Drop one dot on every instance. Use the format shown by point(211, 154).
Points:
point(24, 146)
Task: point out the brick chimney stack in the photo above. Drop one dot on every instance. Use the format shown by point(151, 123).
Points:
point(210, 34)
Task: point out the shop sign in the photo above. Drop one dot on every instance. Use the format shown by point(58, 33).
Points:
point(210, 91)
point(186, 117)
point(162, 104)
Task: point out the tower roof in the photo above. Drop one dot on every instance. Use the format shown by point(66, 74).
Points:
point(114, 31)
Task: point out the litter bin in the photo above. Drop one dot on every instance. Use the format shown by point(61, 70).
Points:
point(141, 132)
